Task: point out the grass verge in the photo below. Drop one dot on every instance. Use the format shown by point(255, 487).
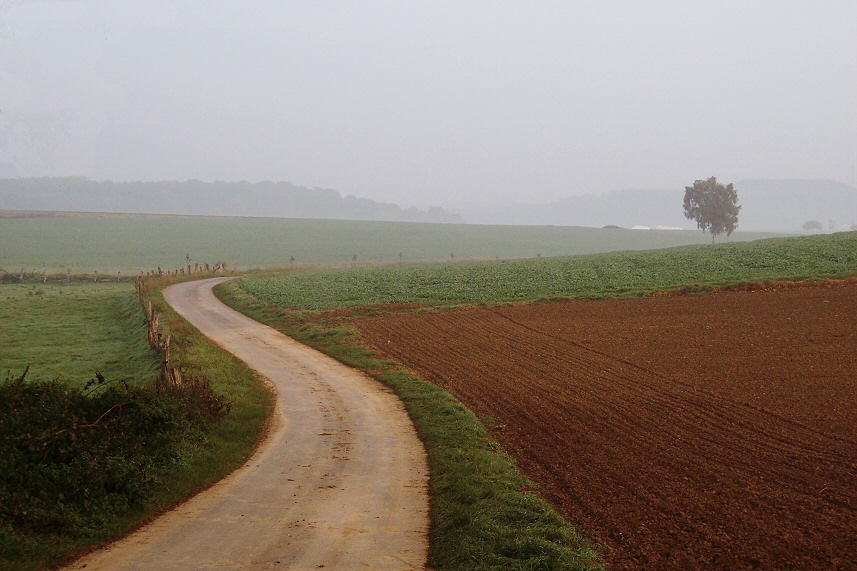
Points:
point(483, 514)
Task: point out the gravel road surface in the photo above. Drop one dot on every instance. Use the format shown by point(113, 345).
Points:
point(341, 482)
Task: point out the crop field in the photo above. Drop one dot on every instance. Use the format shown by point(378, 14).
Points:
point(68, 332)
point(112, 243)
point(685, 432)
point(710, 431)
point(615, 274)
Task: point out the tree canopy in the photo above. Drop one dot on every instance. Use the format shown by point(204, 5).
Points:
point(713, 206)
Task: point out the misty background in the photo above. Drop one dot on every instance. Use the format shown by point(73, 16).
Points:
point(497, 112)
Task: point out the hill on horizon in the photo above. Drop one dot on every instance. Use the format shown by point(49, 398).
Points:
point(194, 197)
point(766, 205)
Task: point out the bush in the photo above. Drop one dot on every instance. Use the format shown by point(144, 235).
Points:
point(73, 461)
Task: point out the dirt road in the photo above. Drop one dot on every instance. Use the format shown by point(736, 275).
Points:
point(340, 483)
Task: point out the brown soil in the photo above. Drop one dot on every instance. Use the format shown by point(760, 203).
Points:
point(709, 432)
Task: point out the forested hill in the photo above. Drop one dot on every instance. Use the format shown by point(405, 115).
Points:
point(269, 199)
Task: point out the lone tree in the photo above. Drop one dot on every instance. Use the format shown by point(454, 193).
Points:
point(713, 206)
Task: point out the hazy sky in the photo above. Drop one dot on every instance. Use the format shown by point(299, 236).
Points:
point(424, 103)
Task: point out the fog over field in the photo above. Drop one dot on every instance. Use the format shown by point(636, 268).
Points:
point(473, 107)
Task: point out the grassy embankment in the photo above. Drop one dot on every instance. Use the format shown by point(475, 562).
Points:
point(78, 471)
point(482, 516)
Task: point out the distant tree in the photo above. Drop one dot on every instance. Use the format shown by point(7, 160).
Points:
point(812, 226)
point(713, 206)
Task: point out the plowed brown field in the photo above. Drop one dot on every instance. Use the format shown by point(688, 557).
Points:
point(709, 432)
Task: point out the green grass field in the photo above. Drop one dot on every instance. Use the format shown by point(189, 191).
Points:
point(611, 274)
point(108, 244)
point(68, 332)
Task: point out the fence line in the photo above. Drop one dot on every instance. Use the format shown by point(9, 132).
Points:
point(169, 375)
point(19, 276)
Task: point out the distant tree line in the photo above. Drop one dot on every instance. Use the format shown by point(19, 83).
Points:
point(263, 199)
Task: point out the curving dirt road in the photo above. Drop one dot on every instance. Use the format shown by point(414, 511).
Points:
point(340, 482)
